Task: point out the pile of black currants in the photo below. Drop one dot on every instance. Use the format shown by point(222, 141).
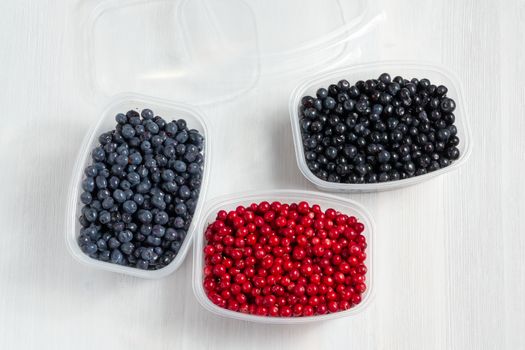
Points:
point(378, 130)
point(141, 190)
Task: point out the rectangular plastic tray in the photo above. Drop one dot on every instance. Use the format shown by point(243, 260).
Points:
point(122, 104)
point(326, 201)
point(437, 75)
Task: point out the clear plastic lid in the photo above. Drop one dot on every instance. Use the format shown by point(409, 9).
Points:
point(201, 50)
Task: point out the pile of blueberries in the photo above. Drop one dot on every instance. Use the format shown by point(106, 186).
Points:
point(141, 190)
point(378, 130)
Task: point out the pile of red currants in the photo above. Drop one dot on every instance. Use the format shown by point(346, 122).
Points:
point(285, 260)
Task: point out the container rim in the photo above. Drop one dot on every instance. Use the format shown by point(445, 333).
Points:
point(216, 203)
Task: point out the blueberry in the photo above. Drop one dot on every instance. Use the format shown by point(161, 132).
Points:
point(121, 118)
point(409, 167)
point(175, 246)
point(134, 141)
point(147, 254)
point(383, 157)
point(443, 135)
point(118, 226)
point(91, 171)
point(452, 153)
point(112, 158)
point(128, 193)
point(128, 131)
point(104, 255)
point(143, 187)
point(156, 140)
point(133, 117)
point(383, 177)
point(125, 236)
point(102, 244)
point(129, 206)
point(117, 170)
point(168, 175)
point(147, 114)
point(86, 197)
point(170, 234)
point(113, 243)
point(182, 136)
point(90, 214)
point(83, 239)
point(145, 216)
point(142, 264)
point(167, 258)
point(108, 203)
point(116, 256)
point(88, 184)
point(119, 195)
point(138, 198)
point(152, 127)
point(121, 160)
point(178, 222)
point(162, 160)
point(448, 105)
point(101, 182)
point(331, 152)
point(322, 93)
point(170, 187)
point(126, 217)
point(180, 209)
point(158, 231)
point(184, 192)
point(89, 248)
point(145, 229)
point(142, 171)
point(179, 166)
point(181, 124)
point(160, 122)
point(385, 78)
point(453, 130)
point(133, 178)
point(127, 248)
point(98, 154)
point(161, 218)
point(329, 103)
point(171, 128)
point(104, 217)
point(158, 202)
point(96, 205)
point(179, 180)
point(453, 141)
point(153, 240)
point(145, 146)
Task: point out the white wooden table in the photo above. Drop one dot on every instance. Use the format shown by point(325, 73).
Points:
point(450, 267)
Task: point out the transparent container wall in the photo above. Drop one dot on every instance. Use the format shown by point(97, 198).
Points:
point(292, 38)
point(201, 51)
point(183, 50)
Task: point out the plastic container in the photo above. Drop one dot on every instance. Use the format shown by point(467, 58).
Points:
point(124, 103)
point(436, 74)
point(230, 202)
point(202, 51)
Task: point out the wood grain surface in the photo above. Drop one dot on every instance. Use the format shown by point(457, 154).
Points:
point(450, 253)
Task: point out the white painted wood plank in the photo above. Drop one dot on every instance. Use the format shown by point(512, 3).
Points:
point(450, 264)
